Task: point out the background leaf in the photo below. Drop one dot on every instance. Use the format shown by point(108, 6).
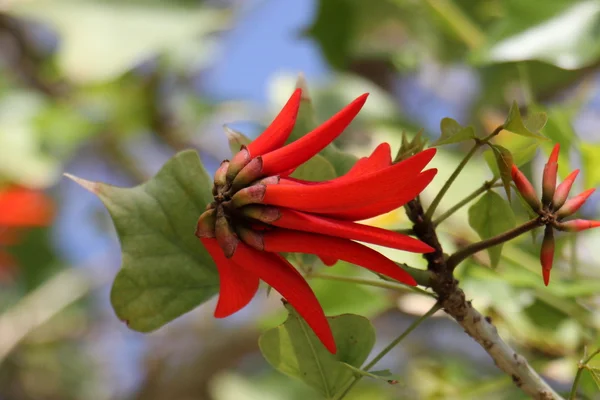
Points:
point(453, 132)
point(294, 349)
point(166, 272)
point(490, 216)
point(514, 123)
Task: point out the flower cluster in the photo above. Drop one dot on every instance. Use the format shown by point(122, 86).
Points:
point(554, 206)
point(19, 208)
point(260, 211)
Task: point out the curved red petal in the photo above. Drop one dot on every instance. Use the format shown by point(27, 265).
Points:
point(379, 159)
point(554, 154)
point(329, 261)
point(279, 130)
point(284, 240)
point(353, 191)
point(300, 221)
point(237, 286)
point(300, 151)
point(563, 189)
point(24, 207)
point(283, 277)
point(573, 205)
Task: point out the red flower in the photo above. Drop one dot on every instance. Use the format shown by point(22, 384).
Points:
point(260, 211)
point(554, 206)
point(19, 207)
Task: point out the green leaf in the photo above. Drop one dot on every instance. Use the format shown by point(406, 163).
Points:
point(453, 132)
point(514, 123)
point(535, 122)
point(590, 154)
point(490, 216)
point(101, 41)
point(293, 349)
point(166, 272)
point(316, 169)
point(504, 162)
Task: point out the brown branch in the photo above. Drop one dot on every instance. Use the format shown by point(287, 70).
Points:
point(454, 303)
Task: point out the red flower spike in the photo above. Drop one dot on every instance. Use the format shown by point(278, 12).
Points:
point(300, 221)
point(24, 207)
point(283, 277)
point(574, 204)
point(562, 191)
point(279, 130)
point(525, 188)
point(236, 285)
point(547, 253)
point(284, 240)
point(577, 225)
point(300, 151)
point(242, 227)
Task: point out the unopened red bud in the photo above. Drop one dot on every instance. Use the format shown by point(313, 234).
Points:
point(224, 233)
point(220, 174)
point(574, 204)
point(577, 225)
point(547, 253)
point(239, 161)
point(554, 154)
point(549, 182)
point(562, 191)
point(206, 224)
point(525, 188)
point(251, 172)
point(251, 238)
point(266, 214)
point(249, 195)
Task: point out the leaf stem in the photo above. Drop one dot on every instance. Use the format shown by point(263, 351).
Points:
point(478, 143)
point(582, 365)
point(471, 249)
point(482, 189)
point(390, 346)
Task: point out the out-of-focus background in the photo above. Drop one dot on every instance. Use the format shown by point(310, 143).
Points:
point(109, 90)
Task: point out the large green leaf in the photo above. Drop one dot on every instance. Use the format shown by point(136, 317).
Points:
point(294, 349)
point(514, 123)
point(166, 272)
point(490, 216)
point(103, 40)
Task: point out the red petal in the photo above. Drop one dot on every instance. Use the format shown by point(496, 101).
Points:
point(237, 285)
point(279, 130)
point(24, 207)
point(525, 188)
point(329, 261)
point(349, 230)
point(300, 151)
point(283, 277)
point(352, 192)
point(379, 159)
point(388, 203)
point(578, 225)
point(284, 240)
point(554, 154)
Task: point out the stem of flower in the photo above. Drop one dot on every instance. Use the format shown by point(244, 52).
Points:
point(484, 188)
point(390, 346)
point(420, 278)
point(582, 365)
point(471, 249)
point(458, 170)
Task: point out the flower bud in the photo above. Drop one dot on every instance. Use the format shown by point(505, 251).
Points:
point(239, 161)
point(206, 224)
point(269, 180)
point(549, 182)
point(220, 174)
point(577, 225)
point(525, 188)
point(574, 204)
point(547, 253)
point(251, 238)
point(562, 191)
point(266, 214)
point(251, 172)
point(224, 233)
point(249, 195)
